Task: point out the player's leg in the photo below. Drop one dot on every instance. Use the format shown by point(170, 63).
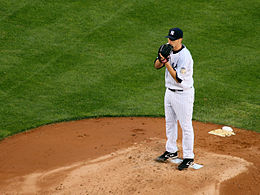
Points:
point(184, 109)
point(171, 131)
point(187, 138)
point(187, 141)
point(171, 123)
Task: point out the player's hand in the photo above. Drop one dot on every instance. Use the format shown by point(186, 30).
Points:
point(162, 59)
point(164, 53)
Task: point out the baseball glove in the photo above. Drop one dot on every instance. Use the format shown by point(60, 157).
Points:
point(165, 51)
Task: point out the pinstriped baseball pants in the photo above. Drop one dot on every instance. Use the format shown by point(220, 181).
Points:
point(179, 106)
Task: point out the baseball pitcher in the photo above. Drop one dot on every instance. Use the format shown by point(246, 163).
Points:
point(179, 96)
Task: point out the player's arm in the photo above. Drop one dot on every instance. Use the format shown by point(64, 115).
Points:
point(173, 72)
point(158, 64)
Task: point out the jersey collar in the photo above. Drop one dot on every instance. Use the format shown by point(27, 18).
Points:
point(174, 52)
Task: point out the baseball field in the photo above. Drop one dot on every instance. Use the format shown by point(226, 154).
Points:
point(79, 96)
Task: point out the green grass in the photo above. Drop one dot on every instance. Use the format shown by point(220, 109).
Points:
point(65, 60)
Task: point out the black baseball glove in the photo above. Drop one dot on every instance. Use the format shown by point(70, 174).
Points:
point(165, 51)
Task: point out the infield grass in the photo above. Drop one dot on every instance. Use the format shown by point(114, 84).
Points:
point(66, 60)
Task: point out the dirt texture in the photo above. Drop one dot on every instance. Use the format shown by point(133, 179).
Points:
point(116, 156)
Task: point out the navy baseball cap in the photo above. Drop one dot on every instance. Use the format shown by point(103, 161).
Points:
point(174, 34)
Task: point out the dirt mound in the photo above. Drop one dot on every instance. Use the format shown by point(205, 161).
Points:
point(116, 156)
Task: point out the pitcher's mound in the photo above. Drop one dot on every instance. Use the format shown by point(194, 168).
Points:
point(133, 171)
point(116, 156)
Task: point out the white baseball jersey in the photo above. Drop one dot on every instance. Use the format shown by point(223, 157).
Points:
point(179, 104)
point(182, 62)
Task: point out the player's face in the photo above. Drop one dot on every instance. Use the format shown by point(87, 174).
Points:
point(175, 43)
point(172, 43)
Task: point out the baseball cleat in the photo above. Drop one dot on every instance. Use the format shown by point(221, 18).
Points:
point(165, 156)
point(185, 163)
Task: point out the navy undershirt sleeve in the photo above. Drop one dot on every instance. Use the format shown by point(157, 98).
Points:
point(178, 79)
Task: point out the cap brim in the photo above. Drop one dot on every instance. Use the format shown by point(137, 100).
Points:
point(173, 39)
